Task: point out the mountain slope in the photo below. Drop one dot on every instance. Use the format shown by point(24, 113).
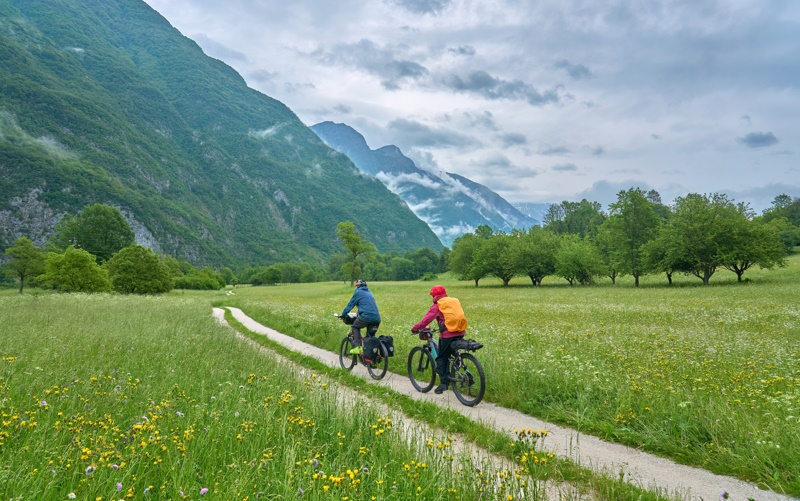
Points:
point(451, 204)
point(103, 101)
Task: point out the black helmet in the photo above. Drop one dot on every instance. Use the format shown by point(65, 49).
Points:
point(361, 283)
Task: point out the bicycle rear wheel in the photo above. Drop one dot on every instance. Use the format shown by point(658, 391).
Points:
point(346, 360)
point(421, 369)
point(377, 369)
point(468, 380)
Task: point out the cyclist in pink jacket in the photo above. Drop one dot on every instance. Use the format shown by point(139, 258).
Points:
point(445, 337)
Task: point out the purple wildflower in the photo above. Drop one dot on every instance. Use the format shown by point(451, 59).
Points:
point(203, 490)
point(300, 492)
point(180, 414)
point(119, 486)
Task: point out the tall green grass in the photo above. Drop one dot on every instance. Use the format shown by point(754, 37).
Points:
point(111, 397)
point(709, 376)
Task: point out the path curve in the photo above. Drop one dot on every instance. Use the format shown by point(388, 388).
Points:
point(640, 468)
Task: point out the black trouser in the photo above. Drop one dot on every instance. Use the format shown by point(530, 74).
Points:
point(358, 323)
point(443, 357)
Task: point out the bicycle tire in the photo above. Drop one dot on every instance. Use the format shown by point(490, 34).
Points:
point(420, 361)
point(378, 368)
point(468, 391)
point(346, 360)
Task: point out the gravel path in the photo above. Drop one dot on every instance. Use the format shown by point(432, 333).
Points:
point(642, 469)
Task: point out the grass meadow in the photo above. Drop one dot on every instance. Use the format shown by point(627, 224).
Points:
point(108, 397)
point(708, 376)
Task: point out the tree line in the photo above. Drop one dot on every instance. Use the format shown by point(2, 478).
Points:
point(639, 235)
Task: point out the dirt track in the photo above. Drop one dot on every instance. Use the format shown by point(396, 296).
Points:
point(642, 469)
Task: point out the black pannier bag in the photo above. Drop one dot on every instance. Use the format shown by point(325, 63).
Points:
point(466, 344)
point(388, 343)
point(372, 348)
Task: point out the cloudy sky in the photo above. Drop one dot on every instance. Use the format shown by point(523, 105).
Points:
point(541, 101)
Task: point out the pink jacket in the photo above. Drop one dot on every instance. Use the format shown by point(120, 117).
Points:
point(434, 313)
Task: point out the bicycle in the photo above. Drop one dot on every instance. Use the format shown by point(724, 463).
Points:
point(376, 368)
point(464, 368)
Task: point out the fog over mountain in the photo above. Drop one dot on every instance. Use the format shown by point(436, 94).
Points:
point(451, 204)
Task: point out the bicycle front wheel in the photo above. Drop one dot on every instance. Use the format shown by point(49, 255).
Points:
point(378, 368)
point(421, 369)
point(468, 380)
point(346, 360)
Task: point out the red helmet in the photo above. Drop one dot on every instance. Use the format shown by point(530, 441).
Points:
point(438, 290)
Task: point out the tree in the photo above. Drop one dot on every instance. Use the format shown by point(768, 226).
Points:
point(425, 261)
point(751, 243)
point(631, 224)
point(269, 276)
point(75, 271)
point(535, 253)
point(355, 247)
point(99, 229)
point(137, 270)
point(574, 218)
point(697, 232)
point(462, 258)
point(578, 260)
point(604, 241)
point(401, 268)
point(26, 261)
point(496, 258)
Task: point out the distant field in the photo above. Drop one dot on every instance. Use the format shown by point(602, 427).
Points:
point(109, 397)
point(709, 376)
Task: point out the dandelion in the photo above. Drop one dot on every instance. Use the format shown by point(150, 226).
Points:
point(203, 491)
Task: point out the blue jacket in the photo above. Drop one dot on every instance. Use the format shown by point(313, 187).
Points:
point(367, 309)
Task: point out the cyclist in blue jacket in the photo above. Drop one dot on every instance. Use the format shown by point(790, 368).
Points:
point(368, 314)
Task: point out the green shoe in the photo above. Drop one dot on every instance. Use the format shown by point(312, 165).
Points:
point(356, 351)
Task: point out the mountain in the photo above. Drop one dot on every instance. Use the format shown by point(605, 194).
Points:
point(103, 101)
point(535, 210)
point(451, 204)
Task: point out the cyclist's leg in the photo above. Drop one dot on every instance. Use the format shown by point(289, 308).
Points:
point(356, 327)
point(443, 359)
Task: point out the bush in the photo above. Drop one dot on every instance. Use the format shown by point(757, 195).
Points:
point(136, 270)
point(75, 271)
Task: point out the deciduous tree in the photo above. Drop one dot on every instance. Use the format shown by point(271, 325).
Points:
point(355, 246)
point(631, 224)
point(137, 270)
point(26, 261)
point(75, 271)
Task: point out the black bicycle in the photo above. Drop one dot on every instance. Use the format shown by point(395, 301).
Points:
point(377, 368)
point(466, 373)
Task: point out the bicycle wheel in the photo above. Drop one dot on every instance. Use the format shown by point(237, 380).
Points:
point(468, 380)
point(377, 369)
point(346, 360)
point(421, 369)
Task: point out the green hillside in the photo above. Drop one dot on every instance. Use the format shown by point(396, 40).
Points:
point(105, 102)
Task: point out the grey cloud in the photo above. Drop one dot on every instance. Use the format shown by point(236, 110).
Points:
point(292, 87)
point(513, 139)
point(758, 139)
point(263, 76)
point(746, 118)
point(496, 167)
point(565, 168)
point(597, 150)
point(655, 136)
point(343, 109)
point(420, 135)
point(462, 50)
point(423, 6)
point(575, 71)
point(482, 83)
point(217, 50)
point(554, 150)
point(382, 62)
point(485, 119)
